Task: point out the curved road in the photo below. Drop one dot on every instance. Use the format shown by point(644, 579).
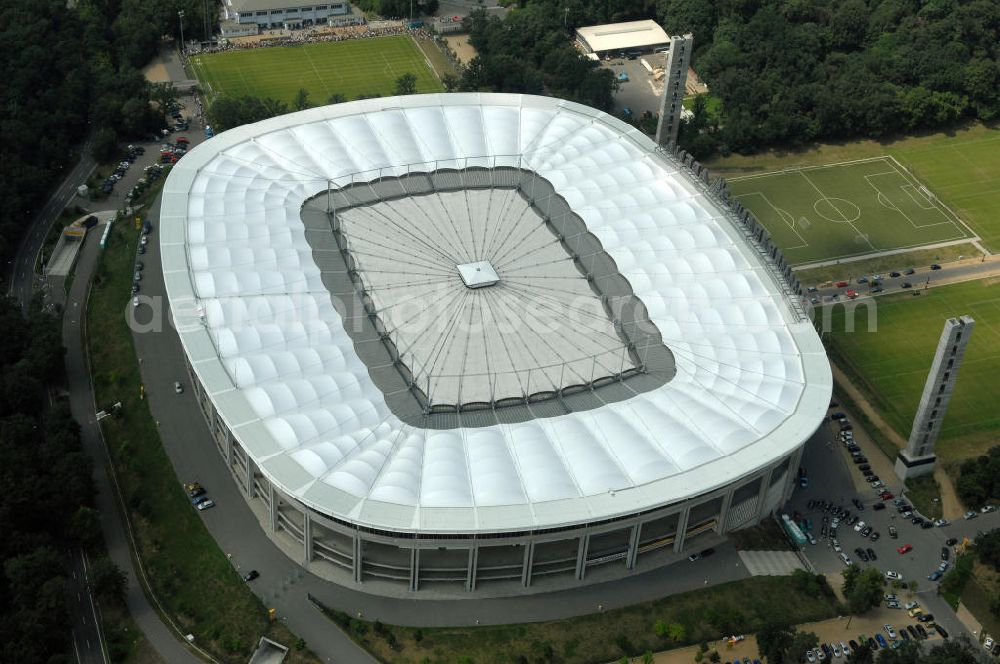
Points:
point(81, 398)
point(20, 272)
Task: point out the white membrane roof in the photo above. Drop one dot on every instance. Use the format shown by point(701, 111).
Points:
point(267, 341)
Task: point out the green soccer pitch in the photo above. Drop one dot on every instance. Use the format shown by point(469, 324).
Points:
point(352, 68)
point(890, 362)
point(827, 213)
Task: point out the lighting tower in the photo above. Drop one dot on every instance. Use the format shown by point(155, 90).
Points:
point(918, 457)
point(672, 102)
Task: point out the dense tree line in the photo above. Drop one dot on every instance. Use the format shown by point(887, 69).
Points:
point(788, 72)
point(531, 51)
point(72, 72)
point(792, 72)
point(45, 491)
point(979, 479)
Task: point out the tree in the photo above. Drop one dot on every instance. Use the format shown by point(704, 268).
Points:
point(301, 101)
point(108, 580)
point(863, 589)
point(336, 98)
point(988, 549)
point(861, 655)
point(85, 527)
point(660, 628)
point(405, 84)
point(774, 642)
point(676, 632)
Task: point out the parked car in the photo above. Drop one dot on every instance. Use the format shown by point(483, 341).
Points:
point(945, 553)
point(893, 576)
point(197, 500)
point(906, 548)
point(906, 284)
point(206, 504)
point(935, 575)
point(251, 575)
point(178, 388)
point(935, 266)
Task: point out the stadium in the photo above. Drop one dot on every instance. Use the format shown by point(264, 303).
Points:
point(485, 343)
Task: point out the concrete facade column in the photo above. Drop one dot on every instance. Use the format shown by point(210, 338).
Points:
point(229, 448)
point(249, 476)
point(765, 484)
point(682, 525)
point(633, 546)
point(470, 574)
point(581, 556)
point(307, 537)
point(529, 561)
point(727, 502)
point(793, 472)
point(356, 560)
point(414, 570)
point(272, 507)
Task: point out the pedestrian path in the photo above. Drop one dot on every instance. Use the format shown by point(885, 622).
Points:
point(770, 563)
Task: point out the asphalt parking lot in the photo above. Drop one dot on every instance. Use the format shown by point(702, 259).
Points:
point(834, 478)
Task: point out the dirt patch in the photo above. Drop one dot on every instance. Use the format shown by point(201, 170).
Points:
point(464, 51)
point(156, 72)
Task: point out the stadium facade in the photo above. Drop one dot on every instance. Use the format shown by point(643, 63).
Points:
point(484, 342)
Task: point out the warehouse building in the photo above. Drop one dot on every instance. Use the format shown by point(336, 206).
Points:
point(622, 39)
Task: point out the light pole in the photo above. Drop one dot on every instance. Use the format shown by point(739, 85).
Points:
point(180, 18)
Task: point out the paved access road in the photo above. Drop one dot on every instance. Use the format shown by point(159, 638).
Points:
point(21, 272)
point(950, 273)
point(87, 645)
point(82, 405)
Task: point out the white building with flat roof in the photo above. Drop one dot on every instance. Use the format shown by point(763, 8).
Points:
point(279, 13)
point(615, 38)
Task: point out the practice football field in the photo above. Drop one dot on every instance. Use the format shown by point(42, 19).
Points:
point(892, 361)
point(854, 208)
point(352, 68)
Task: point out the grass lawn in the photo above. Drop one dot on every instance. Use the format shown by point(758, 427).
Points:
point(190, 576)
point(352, 68)
point(833, 212)
point(925, 495)
point(703, 615)
point(960, 165)
point(890, 364)
point(979, 594)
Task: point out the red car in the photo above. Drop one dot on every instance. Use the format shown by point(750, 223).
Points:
point(885, 495)
point(851, 293)
point(905, 548)
point(180, 140)
point(841, 284)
